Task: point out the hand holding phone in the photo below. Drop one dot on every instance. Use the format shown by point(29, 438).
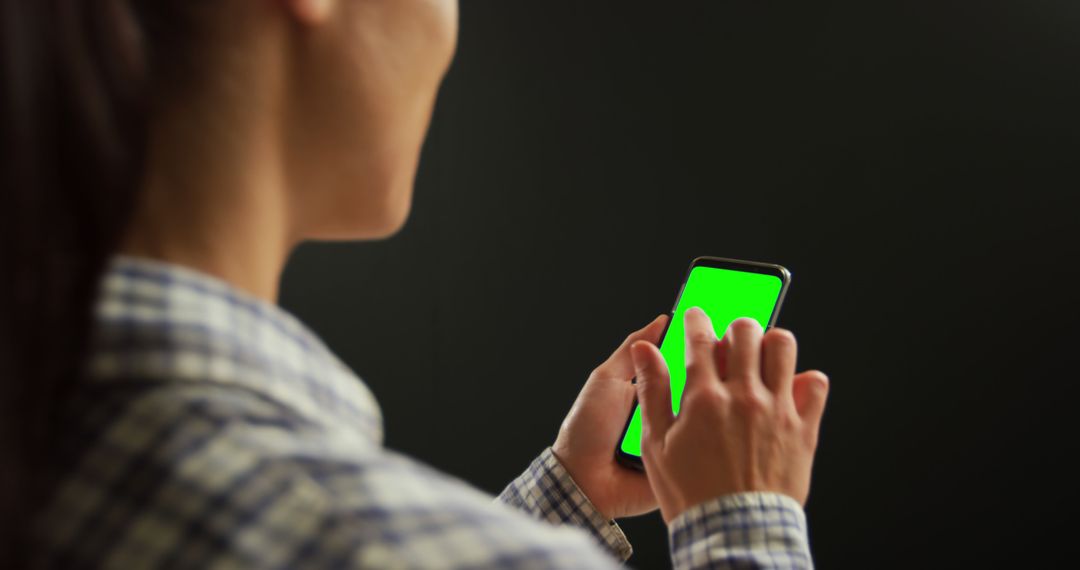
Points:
point(594, 426)
point(725, 289)
point(748, 422)
point(598, 424)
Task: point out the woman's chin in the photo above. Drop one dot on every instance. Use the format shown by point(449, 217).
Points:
point(371, 224)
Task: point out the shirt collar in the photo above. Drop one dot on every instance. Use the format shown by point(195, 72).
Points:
point(157, 322)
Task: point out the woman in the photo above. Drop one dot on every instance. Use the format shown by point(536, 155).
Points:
point(161, 159)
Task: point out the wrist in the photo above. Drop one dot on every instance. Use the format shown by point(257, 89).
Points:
point(580, 480)
point(732, 501)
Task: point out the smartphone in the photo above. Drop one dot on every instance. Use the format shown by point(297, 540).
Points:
point(726, 289)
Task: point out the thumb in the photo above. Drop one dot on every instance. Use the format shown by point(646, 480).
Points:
point(653, 389)
point(810, 391)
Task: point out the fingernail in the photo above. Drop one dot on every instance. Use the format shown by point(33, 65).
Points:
point(697, 310)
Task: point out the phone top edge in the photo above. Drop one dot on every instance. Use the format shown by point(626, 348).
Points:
point(741, 264)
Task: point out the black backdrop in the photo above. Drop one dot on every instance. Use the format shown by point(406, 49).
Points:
point(912, 163)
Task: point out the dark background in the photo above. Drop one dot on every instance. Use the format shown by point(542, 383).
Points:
point(912, 163)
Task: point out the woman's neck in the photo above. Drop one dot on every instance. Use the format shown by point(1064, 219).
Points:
point(214, 196)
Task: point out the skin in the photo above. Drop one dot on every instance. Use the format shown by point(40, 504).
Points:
point(305, 121)
point(590, 433)
point(747, 420)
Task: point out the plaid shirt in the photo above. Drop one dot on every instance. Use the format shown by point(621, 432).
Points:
point(216, 431)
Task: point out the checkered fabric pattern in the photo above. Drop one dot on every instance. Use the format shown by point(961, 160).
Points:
point(748, 530)
point(547, 492)
point(216, 431)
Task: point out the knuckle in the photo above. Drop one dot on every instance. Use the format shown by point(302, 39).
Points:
point(751, 402)
point(789, 421)
point(720, 397)
point(700, 368)
point(741, 376)
point(708, 401)
point(698, 337)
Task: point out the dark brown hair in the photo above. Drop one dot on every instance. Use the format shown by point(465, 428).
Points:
point(77, 83)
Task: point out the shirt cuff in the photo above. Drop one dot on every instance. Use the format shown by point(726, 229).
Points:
point(546, 491)
point(745, 530)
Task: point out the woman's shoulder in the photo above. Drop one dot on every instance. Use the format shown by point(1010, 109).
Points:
point(189, 462)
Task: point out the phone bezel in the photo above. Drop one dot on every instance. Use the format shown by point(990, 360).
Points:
point(633, 461)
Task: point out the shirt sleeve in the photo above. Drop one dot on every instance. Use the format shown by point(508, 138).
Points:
point(746, 530)
point(393, 512)
point(547, 492)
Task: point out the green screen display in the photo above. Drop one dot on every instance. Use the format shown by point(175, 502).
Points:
point(724, 295)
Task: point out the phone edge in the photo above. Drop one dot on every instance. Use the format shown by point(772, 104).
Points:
point(634, 461)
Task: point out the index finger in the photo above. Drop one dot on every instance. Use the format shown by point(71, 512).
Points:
point(701, 342)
